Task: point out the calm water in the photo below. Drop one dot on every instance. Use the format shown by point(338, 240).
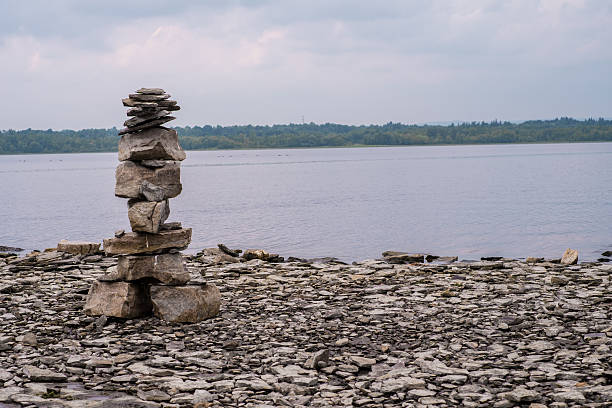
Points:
point(470, 201)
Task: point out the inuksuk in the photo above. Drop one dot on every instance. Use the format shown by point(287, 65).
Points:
point(151, 275)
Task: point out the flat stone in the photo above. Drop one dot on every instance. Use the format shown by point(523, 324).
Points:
point(168, 269)
point(395, 257)
point(150, 124)
point(78, 247)
point(145, 117)
point(143, 110)
point(185, 304)
point(118, 299)
point(122, 402)
point(141, 97)
point(167, 104)
point(153, 395)
point(130, 177)
point(142, 242)
point(522, 395)
point(570, 257)
point(42, 375)
point(569, 395)
point(151, 91)
point(147, 216)
point(401, 384)
point(134, 103)
point(157, 143)
point(362, 362)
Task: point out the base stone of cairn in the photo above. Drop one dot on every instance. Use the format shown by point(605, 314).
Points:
point(118, 299)
point(150, 276)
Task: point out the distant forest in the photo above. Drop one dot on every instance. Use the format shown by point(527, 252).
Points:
point(324, 135)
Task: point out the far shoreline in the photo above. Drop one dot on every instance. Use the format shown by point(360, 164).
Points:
point(332, 147)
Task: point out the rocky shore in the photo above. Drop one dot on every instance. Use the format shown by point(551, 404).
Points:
point(375, 333)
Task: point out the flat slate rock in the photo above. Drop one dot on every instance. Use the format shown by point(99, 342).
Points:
point(151, 91)
point(149, 97)
point(78, 247)
point(140, 111)
point(145, 117)
point(142, 243)
point(396, 257)
point(147, 125)
point(166, 103)
point(133, 103)
point(36, 374)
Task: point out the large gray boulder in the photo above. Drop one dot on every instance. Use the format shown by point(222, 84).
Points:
point(168, 269)
point(147, 216)
point(118, 299)
point(151, 144)
point(130, 177)
point(143, 243)
point(185, 304)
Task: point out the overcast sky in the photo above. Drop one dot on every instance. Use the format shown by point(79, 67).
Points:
point(67, 63)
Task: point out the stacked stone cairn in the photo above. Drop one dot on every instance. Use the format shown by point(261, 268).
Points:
point(150, 276)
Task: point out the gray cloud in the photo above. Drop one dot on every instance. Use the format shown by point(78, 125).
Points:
point(67, 63)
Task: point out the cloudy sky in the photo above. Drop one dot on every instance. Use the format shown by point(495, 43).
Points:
point(67, 63)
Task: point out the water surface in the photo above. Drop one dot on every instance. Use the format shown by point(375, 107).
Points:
point(351, 203)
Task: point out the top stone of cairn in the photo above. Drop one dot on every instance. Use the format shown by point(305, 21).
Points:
point(150, 108)
point(151, 91)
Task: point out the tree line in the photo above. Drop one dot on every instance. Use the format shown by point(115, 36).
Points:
point(319, 135)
